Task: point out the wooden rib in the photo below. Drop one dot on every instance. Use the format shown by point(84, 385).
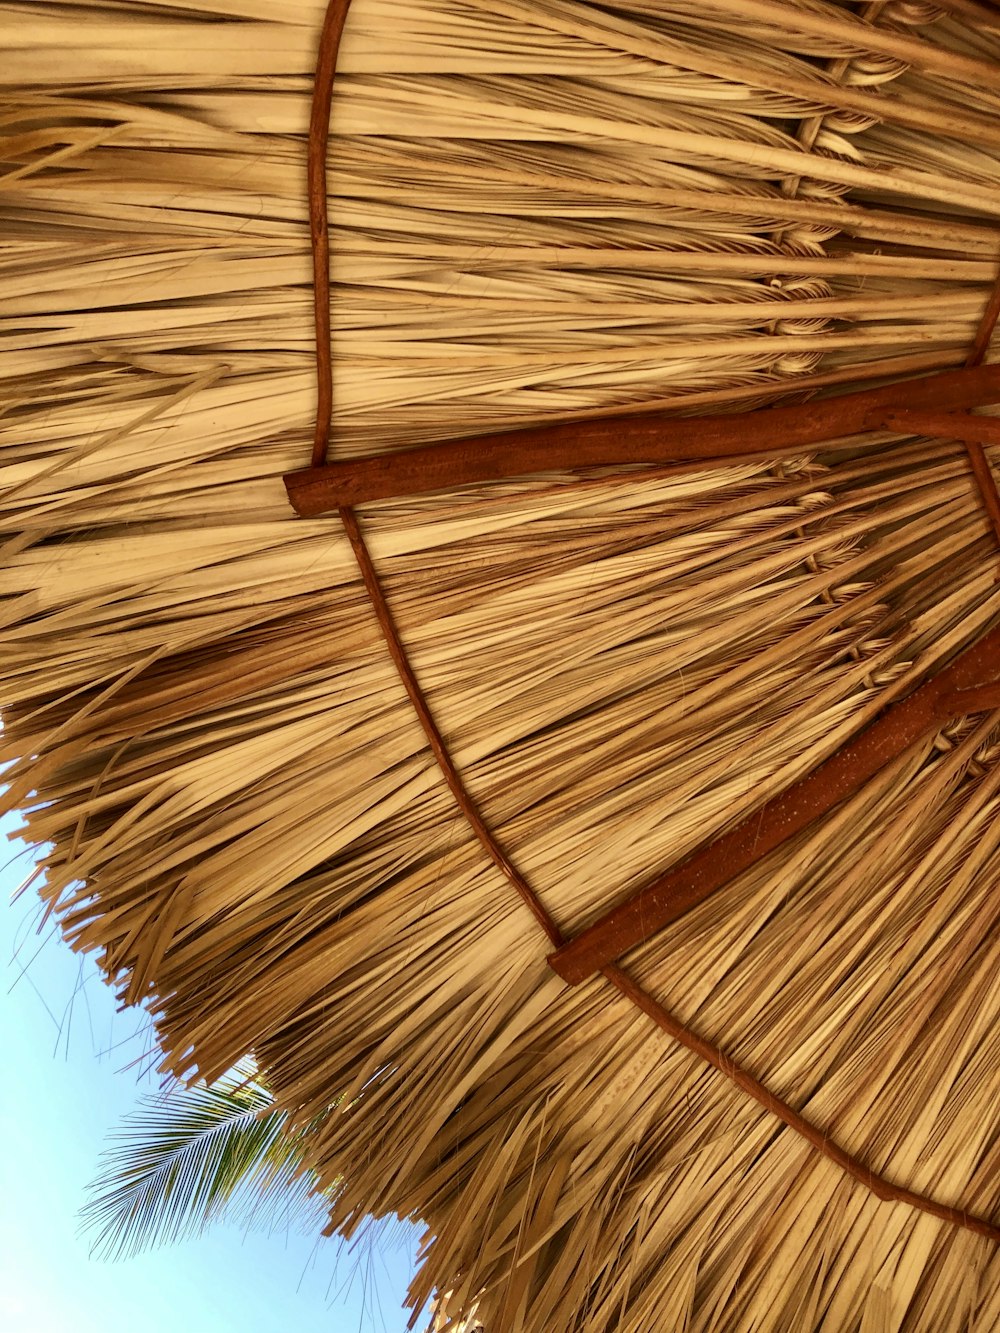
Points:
point(974, 433)
point(684, 886)
point(979, 699)
point(881, 1187)
point(435, 740)
point(319, 133)
point(980, 464)
point(625, 440)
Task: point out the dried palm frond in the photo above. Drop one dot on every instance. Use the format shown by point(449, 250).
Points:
point(538, 212)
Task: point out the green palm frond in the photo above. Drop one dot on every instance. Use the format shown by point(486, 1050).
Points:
point(182, 1159)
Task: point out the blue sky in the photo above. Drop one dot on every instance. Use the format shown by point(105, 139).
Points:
point(70, 1078)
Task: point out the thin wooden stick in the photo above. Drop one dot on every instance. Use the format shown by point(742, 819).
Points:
point(319, 134)
point(882, 1188)
point(465, 802)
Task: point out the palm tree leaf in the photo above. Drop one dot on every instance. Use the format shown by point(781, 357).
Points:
point(182, 1159)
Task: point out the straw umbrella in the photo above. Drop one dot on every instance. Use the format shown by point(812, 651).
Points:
point(302, 778)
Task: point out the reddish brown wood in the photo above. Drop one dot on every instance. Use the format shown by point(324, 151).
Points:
point(961, 426)
point(714, 1055)
point(683, 887)
point(319, 133)
point(773, 432)
point(959, 703)
point(987, 324)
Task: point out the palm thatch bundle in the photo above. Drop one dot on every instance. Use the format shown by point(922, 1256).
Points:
point(780, 1111)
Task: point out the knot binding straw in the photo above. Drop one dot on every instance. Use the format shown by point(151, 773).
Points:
point(970, 683)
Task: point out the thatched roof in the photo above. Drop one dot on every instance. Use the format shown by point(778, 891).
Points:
point(333, 788)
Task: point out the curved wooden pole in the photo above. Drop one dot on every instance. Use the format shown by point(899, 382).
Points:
point(319, 134)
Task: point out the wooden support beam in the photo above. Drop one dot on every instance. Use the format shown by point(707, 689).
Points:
point(683, 887)
point(319, 134)
point(959, 703)
point(961, 426)
point(973, 432)
point(773, 432)
point(987, 325)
